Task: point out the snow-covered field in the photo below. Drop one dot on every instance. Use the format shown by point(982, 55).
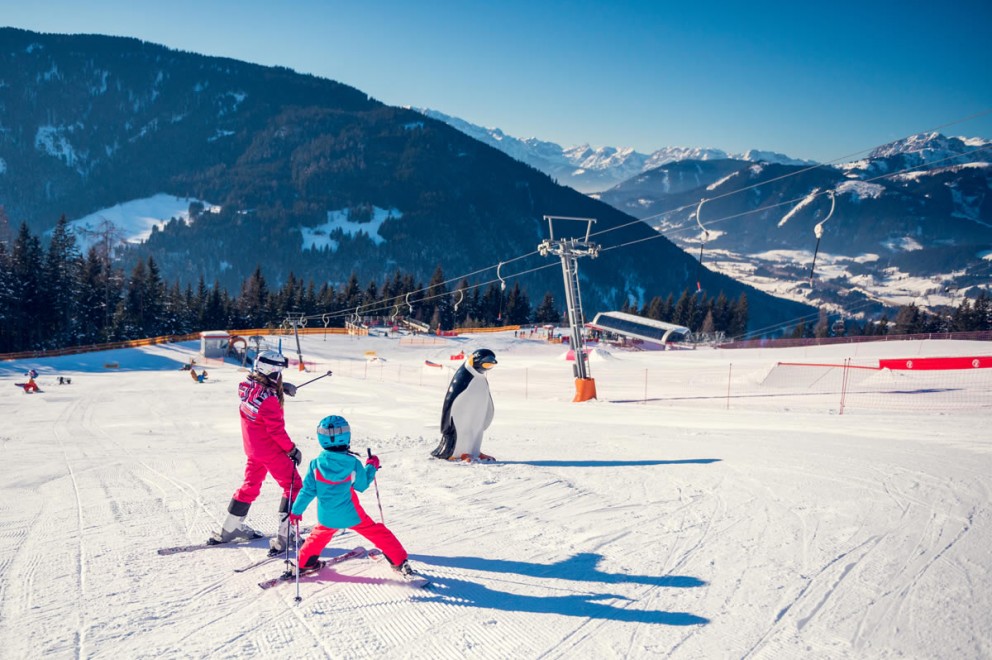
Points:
point(749, 525)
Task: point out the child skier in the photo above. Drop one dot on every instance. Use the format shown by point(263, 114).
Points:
point(335, 478)
point(268, 448)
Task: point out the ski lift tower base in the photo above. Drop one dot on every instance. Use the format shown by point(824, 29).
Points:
point(585, 389)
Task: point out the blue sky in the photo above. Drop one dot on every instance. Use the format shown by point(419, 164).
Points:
point(810, 79)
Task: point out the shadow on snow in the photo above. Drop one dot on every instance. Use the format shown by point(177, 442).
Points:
point(581, 567)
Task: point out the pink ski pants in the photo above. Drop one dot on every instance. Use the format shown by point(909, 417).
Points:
point(377, 533)
point(282, 470)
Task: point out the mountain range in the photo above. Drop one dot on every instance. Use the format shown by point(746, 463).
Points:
point(594, 169)
point(295, 174)
point(910, 223)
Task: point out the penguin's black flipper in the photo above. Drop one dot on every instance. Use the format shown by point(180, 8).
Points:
point(448, 437)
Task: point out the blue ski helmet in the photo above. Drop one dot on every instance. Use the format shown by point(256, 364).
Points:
point(333, 431)
point(482, 359)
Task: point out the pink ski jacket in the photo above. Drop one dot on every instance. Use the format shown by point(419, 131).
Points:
point(263, 425)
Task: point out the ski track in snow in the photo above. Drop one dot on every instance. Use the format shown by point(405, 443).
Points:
point(607, 530)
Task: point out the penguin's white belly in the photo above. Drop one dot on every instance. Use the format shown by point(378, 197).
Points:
point(472, 413)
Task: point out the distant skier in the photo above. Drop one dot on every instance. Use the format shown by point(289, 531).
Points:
point(269, 450)
point(467, 411)
point(30, 386)
point(335, 478)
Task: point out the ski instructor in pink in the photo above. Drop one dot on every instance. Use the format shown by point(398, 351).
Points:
point(269, 450)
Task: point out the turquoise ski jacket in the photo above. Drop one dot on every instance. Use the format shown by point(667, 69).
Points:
point(330, 479)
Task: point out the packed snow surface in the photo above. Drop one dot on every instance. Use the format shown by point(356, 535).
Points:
point(751, 522)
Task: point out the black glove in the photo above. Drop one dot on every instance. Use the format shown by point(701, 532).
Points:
point(295, 455)
point(289, 389)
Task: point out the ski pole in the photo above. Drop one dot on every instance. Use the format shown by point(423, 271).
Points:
point(289, 508)
point(382, 518)
point(313, 379)
point(296, 535)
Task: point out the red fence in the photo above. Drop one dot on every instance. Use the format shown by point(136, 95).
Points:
point(937, 363)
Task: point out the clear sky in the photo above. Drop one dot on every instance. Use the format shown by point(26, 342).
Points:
point(810, 79)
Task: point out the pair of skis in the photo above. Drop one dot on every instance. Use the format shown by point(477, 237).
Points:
point(415, 580)
point(203, 546)
point(176, 549)
point(289, 576)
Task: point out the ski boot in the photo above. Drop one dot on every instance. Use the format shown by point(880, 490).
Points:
point(279, 543)
point(313, 564)
point(234, 527)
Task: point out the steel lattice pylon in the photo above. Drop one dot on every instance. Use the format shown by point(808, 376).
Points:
point(569, 250)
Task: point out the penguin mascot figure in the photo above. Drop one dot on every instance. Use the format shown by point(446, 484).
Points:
point(467, 410)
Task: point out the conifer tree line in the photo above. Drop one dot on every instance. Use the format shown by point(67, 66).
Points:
point(56, 297)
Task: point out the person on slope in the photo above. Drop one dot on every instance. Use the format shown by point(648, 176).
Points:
point(268, 448)
point(31, 386)
point(467, 411)
point(335, 478)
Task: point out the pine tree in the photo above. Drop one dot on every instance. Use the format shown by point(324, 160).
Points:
point(654, 309)
point(217, 312)
point(982, 312)
point(438, 302)
point(25, 283)
point(155, 319)
point(682, 314)
point(253, 304)
point(908, 320)
point(129, 317)
point(6, 301)
point(93, 300)
point(351, 296)
point(708, 328)
point(722, 312)
point(491, 307)
point(61, 287)
point(517, 310)
point(739, 317)
point(547, 311)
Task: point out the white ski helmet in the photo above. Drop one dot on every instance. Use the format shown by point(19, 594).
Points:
point(270, 364)
point(334, 431)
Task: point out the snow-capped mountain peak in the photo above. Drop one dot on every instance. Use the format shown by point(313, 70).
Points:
point(928, 148)
point(591, 169)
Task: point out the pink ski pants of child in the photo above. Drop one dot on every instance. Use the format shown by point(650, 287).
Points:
point(377, 533)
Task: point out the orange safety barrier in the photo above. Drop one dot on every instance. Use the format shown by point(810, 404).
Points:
point(585, 389)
